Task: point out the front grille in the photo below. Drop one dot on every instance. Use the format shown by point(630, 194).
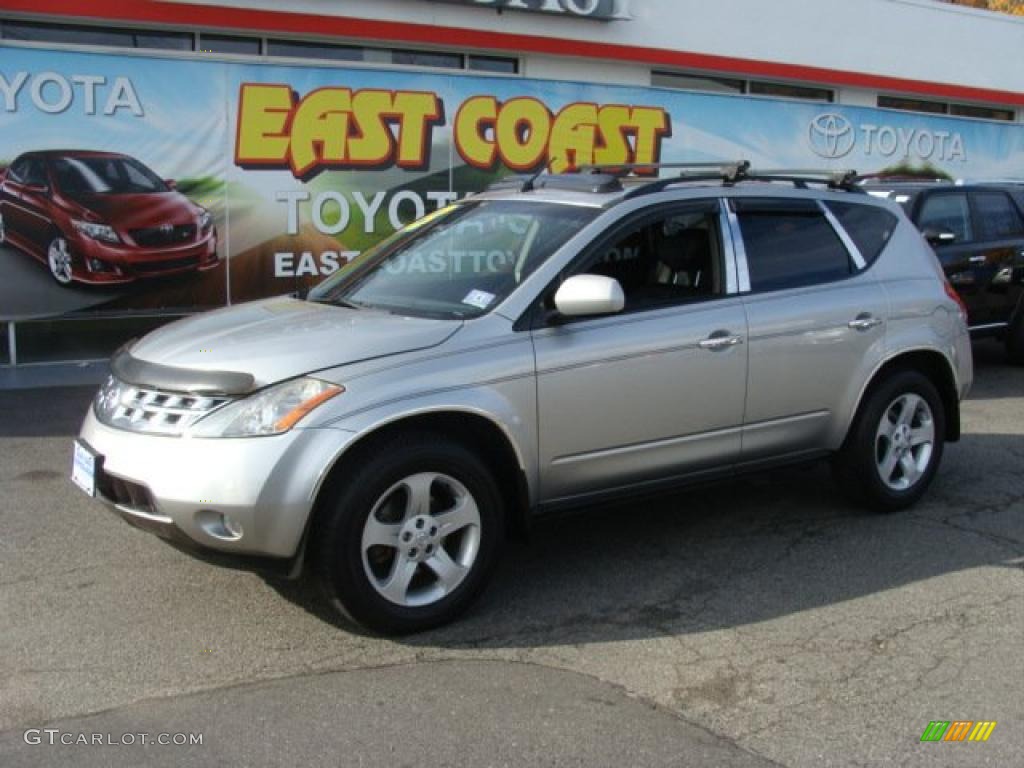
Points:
point(149, 410)
point(125, 494)
point(164, 235)
point(166, 265)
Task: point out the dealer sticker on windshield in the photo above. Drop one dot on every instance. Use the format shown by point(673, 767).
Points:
point(479, 299)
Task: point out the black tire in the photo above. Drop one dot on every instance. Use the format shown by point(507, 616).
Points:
point(856, 466)
point(1015, 339)
point(337, 544)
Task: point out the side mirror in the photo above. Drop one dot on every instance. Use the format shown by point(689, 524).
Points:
point(583, 295)
point(939, 236)
point(171, 183)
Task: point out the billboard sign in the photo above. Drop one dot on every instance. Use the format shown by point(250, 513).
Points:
point(146, 183)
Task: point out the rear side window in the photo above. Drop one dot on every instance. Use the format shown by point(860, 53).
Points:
point(998, 217)
point(791, 248)
point(868, 226)
point(947, 211)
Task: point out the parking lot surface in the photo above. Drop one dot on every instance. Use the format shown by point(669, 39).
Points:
point(763, 622)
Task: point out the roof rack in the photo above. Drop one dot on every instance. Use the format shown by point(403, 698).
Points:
point(730, 173)
point(576, 182)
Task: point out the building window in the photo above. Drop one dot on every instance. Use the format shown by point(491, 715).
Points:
point(787, 91)
point(294, 49)
point(690, 81)
point(984, 113)
point(941, 108)
point(428, 59)
point(242, 46)
point(75, 34)
point(913, 105)
point(493, 64)
point(697, 82)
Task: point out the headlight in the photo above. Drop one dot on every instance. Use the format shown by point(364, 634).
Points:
point(103, 232)
point(270, 412)
point(205, 220)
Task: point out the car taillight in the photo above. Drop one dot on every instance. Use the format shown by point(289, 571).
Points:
point(951, 292)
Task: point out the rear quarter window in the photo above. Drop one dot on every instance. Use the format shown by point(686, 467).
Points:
point(869, 226)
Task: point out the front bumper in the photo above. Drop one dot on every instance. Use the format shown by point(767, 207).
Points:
point(123, 263)
point(267, 485)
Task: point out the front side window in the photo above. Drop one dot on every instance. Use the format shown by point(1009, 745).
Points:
point(99, 175)
point(663, 260)
point(790, 245)
point(997, 216)
point(457, 263)
point(948, 211)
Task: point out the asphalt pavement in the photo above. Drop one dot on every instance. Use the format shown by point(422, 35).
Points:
point(763, 622)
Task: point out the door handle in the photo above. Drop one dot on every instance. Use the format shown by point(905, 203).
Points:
point(864, 322)
point(716, 343)
point(978, 259)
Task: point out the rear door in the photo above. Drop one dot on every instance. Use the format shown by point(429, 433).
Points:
point(998, 257)
point(816, 315)
point(980, 262)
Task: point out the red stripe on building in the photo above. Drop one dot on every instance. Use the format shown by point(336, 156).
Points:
point(282, 22)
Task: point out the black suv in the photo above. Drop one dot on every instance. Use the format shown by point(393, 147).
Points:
point(977, 231)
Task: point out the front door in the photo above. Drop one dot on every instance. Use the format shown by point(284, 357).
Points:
point(656, 390)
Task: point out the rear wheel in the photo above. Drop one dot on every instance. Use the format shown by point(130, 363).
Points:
point(410, 539)
point(895, 445)
point(58, 258)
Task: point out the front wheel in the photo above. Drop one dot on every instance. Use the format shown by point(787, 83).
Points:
point(895, 445)
point(58, 258)
point(410, 539)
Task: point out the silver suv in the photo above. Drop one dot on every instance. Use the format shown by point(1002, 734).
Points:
point(550, 343)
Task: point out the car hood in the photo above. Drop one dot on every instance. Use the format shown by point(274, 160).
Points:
point(281, 338)
point(138, 211)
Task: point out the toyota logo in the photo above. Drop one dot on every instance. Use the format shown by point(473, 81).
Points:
point(831, 135)
point(166, 229)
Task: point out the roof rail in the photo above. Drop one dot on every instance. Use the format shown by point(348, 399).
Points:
point(577, 182)
point(733, 173)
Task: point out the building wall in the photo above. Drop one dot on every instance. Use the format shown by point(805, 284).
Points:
point(919, 40)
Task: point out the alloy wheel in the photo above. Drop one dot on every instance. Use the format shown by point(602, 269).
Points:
point(59, 259)
point(421, 539)
point(904, 441)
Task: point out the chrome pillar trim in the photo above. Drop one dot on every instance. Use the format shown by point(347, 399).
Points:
point(743, 269)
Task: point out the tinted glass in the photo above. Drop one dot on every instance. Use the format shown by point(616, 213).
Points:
point(997, 216)
point(787, 91)
point(786, 250)
point(88, 35)
point(456, 263)
point(493, 64)
point(229, 44)
point(911, 105)
point(105, 176)
point(292, 49)
point(34, 172)
point(668, 260)
point(427, 59)
point(947, 211)
point(869, 227)
point(696, 82)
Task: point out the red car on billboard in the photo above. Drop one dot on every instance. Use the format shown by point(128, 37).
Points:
point(102, 217)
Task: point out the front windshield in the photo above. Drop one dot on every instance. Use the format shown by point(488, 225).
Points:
point(456, 263)
point(105, 175)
